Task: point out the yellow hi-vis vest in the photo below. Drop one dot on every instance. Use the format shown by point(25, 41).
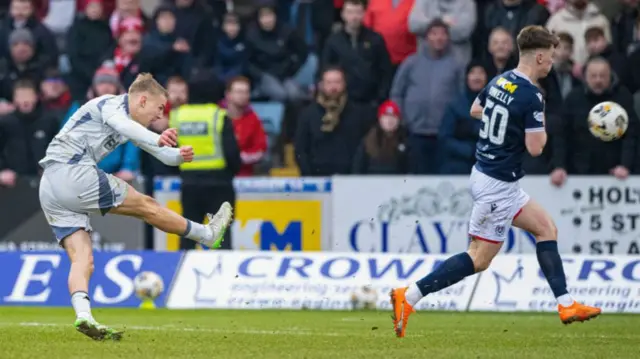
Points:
point(200, 126)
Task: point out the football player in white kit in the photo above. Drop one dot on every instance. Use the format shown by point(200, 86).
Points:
point(73, 187)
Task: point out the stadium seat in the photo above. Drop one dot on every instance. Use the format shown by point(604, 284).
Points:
point(271, 114)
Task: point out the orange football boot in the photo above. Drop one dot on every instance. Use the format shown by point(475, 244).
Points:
point(401, 310)
point(577, 312)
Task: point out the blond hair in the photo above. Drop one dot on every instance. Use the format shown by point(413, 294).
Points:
point(146, 83)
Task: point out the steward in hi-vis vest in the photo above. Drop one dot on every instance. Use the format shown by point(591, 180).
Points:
point(207, 181)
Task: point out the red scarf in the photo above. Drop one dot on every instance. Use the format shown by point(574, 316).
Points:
point(121, 59)
point(60, 103)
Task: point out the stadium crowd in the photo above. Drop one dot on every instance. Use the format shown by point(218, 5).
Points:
point(377, 87)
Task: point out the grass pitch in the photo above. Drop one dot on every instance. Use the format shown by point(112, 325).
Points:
point(159, 334)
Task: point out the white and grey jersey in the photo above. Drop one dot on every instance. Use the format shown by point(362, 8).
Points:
point(97, 128)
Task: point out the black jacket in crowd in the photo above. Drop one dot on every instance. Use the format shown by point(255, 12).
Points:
point(231, 59)
point(623, 28)
point(634, 69)
point(87, 41)
point(46, 47)
point(24, 139)
point(231, 155)
point(10, 72)
point(157, 49)
point(195, 24)
point(576, 150)
point(280, 52)
point(365, 61)
point(321, 153)
point(512, 18)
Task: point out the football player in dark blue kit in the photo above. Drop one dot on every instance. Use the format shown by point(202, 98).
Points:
point(511, 108)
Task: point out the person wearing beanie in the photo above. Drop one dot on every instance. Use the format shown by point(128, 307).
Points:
point(125, 10)
point(458, 132)
point(383, 150)
point(22, 16)
point(127, 56)
point(106, 81)
point(22, 63)
point(88, 41)
point(55, 95)
point(21, 36)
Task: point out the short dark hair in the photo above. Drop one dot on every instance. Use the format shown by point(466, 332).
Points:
point(535, 37)
point(237, 79)
point(565, 37)
point(25, 84)
point(354, 2)
point(593, 33)
point(436, 23)
point(331, 68)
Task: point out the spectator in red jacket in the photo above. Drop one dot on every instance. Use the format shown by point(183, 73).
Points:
point(250, 134)
point(389, 19)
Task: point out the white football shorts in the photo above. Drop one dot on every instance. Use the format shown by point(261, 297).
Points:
point(495, 205)
point(70, 193)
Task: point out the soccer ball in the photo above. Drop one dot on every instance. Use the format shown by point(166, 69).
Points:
point(148, 285)
point(608, 121)
point(364, 298)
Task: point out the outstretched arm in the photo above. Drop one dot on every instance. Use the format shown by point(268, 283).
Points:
point(170, 156)
point(150, 142)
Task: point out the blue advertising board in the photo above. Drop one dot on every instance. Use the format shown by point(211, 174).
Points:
point(40, 278)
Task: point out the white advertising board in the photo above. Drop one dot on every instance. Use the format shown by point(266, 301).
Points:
point(515, 283)
point(303, 280)
point(327, 281)
point(594, 215)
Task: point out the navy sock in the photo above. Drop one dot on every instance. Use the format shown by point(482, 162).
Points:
point(551, 265)
point(450, 272)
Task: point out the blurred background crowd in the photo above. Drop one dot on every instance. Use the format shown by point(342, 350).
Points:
point(319, 87)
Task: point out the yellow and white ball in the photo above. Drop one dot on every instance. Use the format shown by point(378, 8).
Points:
point(608, 121)
point(148, 285)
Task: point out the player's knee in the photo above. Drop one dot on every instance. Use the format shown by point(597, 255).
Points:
point(548, 231)
point(481, 264)
point(480, 261)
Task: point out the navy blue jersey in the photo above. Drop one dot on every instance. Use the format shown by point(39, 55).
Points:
point(513, 105)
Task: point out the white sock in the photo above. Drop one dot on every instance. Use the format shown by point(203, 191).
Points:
point(565, 300)
point(198, 232)
point(81, 304)
point(413, 294)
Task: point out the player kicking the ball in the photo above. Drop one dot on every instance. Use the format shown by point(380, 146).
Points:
point(72, 186)
point(511, 108)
